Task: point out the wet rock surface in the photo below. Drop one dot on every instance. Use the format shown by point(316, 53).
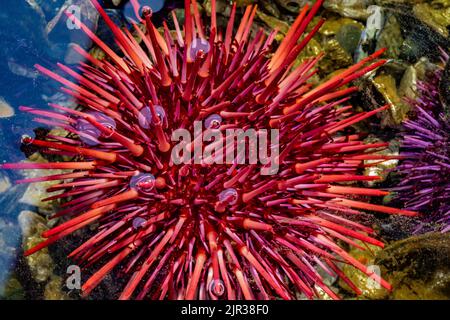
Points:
point(418, 267)
point(12, 290)
point(398, 108)
point(35, 192)
point(53, 289)
point(6, 110)
point(369, 288)
point(41, 264)
point(8, 251)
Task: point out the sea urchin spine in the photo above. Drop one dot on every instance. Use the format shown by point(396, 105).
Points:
point(425, 171)
point(209, 231)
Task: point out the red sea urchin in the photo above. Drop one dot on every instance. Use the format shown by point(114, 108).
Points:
point(209, 231)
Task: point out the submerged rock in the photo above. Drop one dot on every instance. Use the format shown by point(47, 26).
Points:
point(391, 37)
point(36, 192)
point(369, 289)
point(333, 25)
point(53, 290)
point(243, 3)
point(292, 5)
point(348, 37)
point(61, 28)
point(356, 9)
point(41, 264)
point(444, 90)
point(336, 58)
point(222, 8)
point(8, 252)
point(6, 110)
point(420, 39)
point(271, 8)
point(414, 73)
point(436, 16)
point(12, 290)
point(387, 87)
point(346, 31)
point(369, 35)
point(5, 184)
point(21, 70)
point(418, 267)
point(273, 22)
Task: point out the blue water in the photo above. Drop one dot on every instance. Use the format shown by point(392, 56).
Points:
point(24, 42)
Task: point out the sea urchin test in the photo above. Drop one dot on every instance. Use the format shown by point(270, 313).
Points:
point(209, 231)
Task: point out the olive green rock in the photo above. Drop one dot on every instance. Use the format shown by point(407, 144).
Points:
point(12, 290)
point(355, 9)
point(53, 289)
point(418, 267)
point(414, 73)
point(40, 263)
point(436, 16)
point(398, 109)
point(273, 22)
point(391, 38)
point(243, 3)
point(293, 6)
point(369, 289)
point(271, 8)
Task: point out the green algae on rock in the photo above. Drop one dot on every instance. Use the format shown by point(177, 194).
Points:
point(273, 22)
point(391, 37)
point(369, 289)
point(12, 289)
point(398, 109)
point(435, 16)
point(418, 267)
point(292, 6)
point(41, 264)
point(36, 192)
point(6, 110)
point(356, 9)
point(53, 289)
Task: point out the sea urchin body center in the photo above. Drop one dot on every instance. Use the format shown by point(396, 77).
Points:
point(143, 182)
